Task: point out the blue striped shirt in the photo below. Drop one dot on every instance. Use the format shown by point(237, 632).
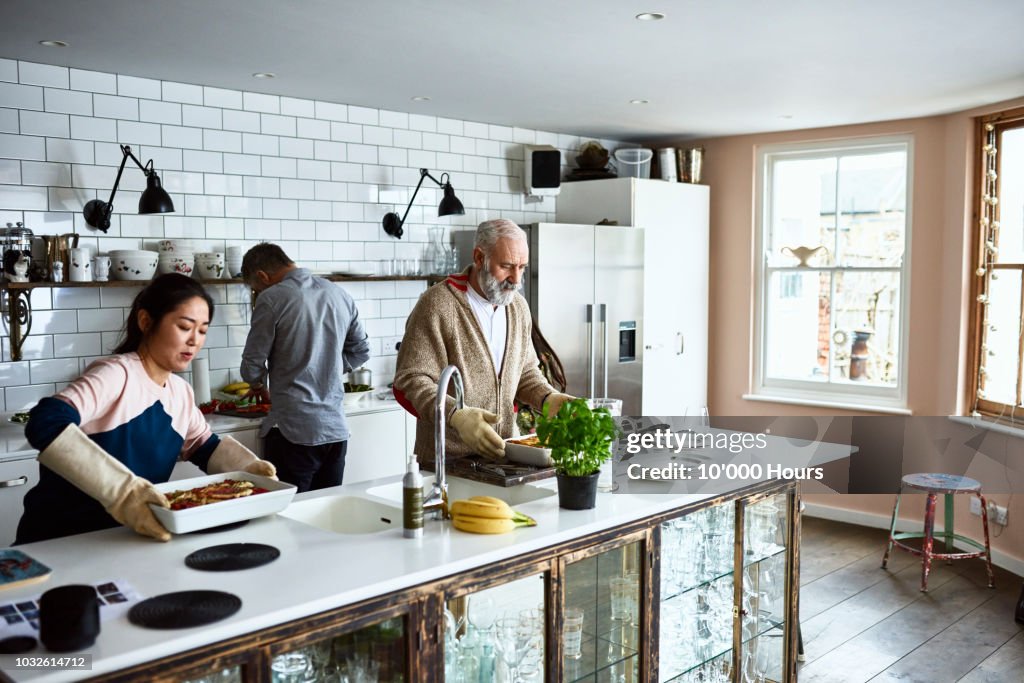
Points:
point(305, 334)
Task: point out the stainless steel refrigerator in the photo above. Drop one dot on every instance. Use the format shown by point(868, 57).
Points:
point(585, 286)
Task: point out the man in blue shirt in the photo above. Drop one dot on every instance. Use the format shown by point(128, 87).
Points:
point(305, 334)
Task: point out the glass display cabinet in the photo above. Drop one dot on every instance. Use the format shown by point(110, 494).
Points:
point(374, 652)
point(725, 576)
point(602, 619)
point(497, 632)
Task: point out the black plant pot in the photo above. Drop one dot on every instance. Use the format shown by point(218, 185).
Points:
point(577, 493)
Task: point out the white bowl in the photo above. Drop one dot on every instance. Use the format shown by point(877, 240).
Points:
point(127, 267)
point(209, 268)
point(353, 397)
point(117, 253)
point(183, 266)
point(528, 455)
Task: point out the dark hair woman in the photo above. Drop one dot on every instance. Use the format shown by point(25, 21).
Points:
point(109, 435)
point(162, 296)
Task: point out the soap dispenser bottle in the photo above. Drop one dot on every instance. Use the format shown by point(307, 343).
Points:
point(412, 501)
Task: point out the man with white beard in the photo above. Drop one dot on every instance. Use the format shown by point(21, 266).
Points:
point(477, 321)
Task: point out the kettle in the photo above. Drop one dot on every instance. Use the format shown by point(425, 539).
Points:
point(58, 249)
point(361, 376)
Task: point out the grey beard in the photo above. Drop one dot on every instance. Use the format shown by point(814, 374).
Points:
point(496, 292)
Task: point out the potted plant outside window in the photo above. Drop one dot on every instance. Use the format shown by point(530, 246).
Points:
point(580, 440)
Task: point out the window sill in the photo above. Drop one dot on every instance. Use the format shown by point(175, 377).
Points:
point(817, 403)
point(1016, 430)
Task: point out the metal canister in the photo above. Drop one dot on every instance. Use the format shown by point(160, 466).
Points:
point(692, 161)
point(362, 376)
point(667, 163)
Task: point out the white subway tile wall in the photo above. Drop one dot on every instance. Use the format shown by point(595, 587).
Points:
point(242, 167)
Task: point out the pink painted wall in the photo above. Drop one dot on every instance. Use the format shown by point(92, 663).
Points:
point(942, 202)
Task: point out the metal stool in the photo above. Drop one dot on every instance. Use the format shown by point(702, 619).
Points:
point(948, 485)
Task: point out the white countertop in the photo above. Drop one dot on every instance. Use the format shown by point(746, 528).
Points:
point(315, 572)
point(13, 445)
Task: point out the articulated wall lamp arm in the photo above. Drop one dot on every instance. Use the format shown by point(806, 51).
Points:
point(449, 205)
point(154, 198)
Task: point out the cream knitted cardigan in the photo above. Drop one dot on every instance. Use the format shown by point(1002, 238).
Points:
point(442, 331)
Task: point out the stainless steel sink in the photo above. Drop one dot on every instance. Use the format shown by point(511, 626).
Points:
point(464, 488)
point(346, 514)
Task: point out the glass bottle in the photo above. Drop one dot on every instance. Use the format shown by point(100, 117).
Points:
point(487, 662)
point(436, 254)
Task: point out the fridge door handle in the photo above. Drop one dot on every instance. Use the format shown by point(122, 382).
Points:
point(682, 343)
point(604, 348)
point(590, 350)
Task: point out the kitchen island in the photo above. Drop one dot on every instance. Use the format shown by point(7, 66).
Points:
point(332, 575)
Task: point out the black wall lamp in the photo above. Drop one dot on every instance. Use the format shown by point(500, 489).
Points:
point(154, 198)
point(449, 205)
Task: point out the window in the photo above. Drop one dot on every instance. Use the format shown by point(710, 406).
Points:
point(833, 272)
point(998, 332)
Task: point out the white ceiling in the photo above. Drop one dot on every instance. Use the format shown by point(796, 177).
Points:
point(712, 67)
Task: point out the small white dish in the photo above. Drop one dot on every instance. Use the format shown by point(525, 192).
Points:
point(353, 397)
point(525, 453)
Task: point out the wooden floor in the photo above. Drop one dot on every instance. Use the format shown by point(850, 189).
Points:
point(862, 623)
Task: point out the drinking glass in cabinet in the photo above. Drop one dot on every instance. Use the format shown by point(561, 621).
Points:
point(572, 633)
point(232, 675)
point(606, 589)
point(489, 635)
point(696, 548)
point(374, 653)
point(765, 529)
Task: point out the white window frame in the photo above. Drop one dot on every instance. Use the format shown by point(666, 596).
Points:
point(806, 392)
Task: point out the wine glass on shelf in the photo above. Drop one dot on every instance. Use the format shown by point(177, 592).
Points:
point(761, 662)
point(512, 641)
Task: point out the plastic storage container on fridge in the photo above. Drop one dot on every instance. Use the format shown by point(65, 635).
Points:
point(634, 162)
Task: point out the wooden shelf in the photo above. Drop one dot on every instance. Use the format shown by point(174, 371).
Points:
point(18, 315)
point(219, 281)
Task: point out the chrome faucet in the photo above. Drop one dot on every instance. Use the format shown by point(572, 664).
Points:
point(437, 499)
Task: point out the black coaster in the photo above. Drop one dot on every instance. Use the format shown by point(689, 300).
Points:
point(222, 527)
point(17, 645)
point(232, 556)
point(184, 609)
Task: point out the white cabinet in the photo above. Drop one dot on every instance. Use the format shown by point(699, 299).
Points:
point(377, 446)
point(16, 478)
point(247, 436)
point(674, 217)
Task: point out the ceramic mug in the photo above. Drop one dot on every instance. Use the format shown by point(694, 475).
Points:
point(101, 268)
point(81, 268)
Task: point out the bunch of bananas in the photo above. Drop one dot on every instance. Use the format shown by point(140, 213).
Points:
point(237, 388)
point(487, 515)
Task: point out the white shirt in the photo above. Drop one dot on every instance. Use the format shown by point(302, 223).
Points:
point(493, 323)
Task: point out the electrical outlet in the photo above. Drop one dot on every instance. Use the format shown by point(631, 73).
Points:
point(976, 506)
point(998, 514)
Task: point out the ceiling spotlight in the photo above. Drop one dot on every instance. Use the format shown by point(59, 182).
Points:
point(53, 43)
point(264, 74)
point(639, 102)
point(419, 98)
point(650, 16)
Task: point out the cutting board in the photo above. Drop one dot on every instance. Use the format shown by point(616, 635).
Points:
point(238, 413)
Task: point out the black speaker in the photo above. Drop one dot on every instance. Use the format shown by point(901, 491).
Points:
point(543, 176)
